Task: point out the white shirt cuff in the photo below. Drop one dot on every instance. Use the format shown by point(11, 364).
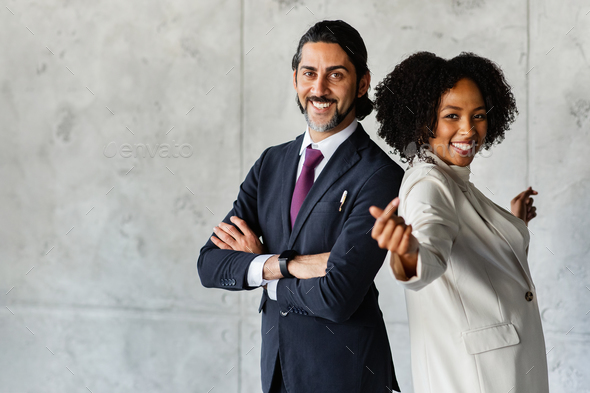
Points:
point(271, 288)
point(255, 271)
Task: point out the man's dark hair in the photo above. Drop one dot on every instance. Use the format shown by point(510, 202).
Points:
point(343, 34)
point(408, 99)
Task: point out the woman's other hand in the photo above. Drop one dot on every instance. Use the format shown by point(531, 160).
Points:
point(522, 205)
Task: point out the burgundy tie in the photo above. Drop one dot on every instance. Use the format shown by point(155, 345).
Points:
point(312, 159)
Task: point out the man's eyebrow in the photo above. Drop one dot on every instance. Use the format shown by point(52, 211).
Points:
point(308, 68)
point(329, 69)
point(336, 67)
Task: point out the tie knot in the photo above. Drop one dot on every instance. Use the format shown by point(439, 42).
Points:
point(312, 157)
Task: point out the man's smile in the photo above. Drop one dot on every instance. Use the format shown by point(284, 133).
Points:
point(321, 106)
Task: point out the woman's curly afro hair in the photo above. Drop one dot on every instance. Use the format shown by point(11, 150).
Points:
point(407, 100)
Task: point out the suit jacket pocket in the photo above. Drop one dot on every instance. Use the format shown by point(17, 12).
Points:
point(326, 207)
point(490, 337)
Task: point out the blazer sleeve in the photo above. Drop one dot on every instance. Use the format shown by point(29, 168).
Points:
point(354, 259)
point(427, 204)
point(228, 269)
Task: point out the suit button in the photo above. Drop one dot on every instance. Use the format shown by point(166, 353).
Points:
point(283, 313)
point(223, 281)
point(528, 296)
point(233, 281)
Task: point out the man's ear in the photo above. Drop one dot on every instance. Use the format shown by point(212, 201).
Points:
point(364, 84)
point(295, 79)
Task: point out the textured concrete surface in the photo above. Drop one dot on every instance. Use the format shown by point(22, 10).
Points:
point(127, 128)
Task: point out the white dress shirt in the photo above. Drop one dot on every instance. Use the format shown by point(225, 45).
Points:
point(328, 147)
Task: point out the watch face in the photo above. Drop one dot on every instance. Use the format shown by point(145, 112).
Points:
point(288, 254)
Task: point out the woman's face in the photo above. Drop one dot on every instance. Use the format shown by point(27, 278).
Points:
point(461, 125)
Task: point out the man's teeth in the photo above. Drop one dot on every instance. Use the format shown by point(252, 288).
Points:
point(463, 146)
point(321, 105)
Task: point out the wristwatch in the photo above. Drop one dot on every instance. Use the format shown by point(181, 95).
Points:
point(284, 259)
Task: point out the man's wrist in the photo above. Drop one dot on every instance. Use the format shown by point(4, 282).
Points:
point(271, 269)
point(284, 259)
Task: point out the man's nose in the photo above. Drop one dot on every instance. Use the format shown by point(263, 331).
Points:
point(320, 87)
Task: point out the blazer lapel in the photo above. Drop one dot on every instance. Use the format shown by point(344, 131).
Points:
point(508, 227)
point(344, 158)
point(289, 171)
point(500, 219)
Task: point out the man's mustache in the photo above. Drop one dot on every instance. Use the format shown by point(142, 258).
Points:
point(319, 99)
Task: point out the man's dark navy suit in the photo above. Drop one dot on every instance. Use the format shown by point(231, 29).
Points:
point(328, 331)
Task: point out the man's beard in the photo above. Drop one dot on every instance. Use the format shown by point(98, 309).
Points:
point(332, 123)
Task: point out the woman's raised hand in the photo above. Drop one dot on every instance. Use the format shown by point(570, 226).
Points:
point(522, 205)
point(392, 233)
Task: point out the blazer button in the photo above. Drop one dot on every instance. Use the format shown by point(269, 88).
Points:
point(528, 296)
point(283, 313)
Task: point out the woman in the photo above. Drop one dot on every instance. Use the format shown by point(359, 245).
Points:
point(473, 312)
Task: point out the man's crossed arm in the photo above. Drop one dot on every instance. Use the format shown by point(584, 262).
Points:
point(239, 237)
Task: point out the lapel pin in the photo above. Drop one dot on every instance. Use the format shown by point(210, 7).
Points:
point(344, 194)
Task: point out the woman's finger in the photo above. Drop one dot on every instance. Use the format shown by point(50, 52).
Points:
point(375, 211)
point(382, 217)
point(528, 192)
point(404, 244)
point(525, 194)
point(396, 237)
point(383, 239)
point(379, 225)
point(389, 210)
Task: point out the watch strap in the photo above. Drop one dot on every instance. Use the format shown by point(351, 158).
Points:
point(284, 259)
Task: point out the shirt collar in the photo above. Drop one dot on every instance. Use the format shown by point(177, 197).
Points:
point(456, 172)
point(329, 145)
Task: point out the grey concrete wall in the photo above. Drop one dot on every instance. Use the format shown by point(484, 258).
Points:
point(99, 239)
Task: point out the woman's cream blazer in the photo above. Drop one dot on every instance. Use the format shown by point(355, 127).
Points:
point(473, 313)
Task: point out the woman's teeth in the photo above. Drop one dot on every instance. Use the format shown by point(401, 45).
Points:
point(463, 146)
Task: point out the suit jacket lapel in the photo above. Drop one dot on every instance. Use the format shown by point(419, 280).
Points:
point(289, 170)
point(344, 158)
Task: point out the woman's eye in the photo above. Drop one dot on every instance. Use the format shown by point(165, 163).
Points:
point(452, 116)
point(480, 116)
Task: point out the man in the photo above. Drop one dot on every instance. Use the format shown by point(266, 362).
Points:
point(309, 199)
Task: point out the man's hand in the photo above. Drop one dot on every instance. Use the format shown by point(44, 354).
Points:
point(302, 266)
point(241, 238)
point(392, 233)
point(522, 205)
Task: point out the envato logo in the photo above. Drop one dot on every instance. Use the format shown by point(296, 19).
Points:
point(164, 150)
